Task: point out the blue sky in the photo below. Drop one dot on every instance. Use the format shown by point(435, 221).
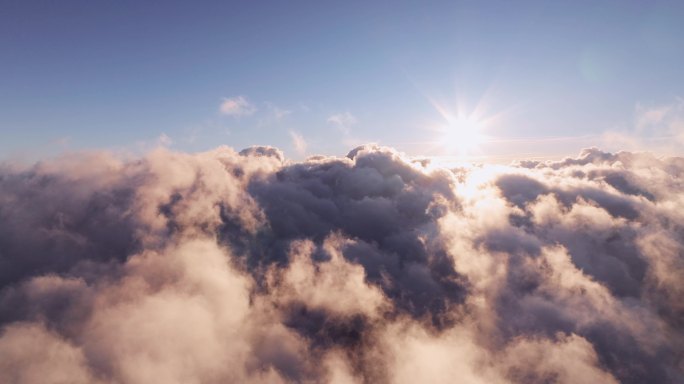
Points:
point(541, 78)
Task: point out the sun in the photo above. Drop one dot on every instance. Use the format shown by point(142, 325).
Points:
point(461, 132)
point(461, 136)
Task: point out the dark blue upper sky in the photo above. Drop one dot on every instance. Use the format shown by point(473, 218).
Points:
point(320, 77)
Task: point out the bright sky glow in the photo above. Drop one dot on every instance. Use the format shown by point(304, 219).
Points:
point(462, 136)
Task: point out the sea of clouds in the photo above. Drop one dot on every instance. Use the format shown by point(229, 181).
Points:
point(244, 267)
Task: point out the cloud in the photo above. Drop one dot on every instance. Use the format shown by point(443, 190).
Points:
point(164, 140)
point(228, 266)
point(298, 142)
point(343, 120)
point(274, 115)
point(658, 128)
point(237, 106)
point(277, 112)
point(664, 120)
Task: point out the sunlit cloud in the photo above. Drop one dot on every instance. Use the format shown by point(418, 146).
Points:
point(227, 266)
point(237, 106)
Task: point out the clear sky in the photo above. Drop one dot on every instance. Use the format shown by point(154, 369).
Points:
point(532, 78)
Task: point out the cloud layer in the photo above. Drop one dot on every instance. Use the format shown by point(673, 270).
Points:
point(245, 267)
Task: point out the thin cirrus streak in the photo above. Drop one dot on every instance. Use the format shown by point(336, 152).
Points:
point(375, 267)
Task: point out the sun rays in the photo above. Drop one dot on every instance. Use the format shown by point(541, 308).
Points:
point(462, 136)
point(461, 132)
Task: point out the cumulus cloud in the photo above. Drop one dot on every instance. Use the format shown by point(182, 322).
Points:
point(228, 266)
point(237, 106)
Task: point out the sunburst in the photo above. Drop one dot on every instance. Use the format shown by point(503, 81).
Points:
point(461, 132)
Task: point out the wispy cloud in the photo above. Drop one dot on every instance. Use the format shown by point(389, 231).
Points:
point(164, 140)
point(343, 120)
point(658, 128)
point(237, 106)
point(277, 112)
point(661, 120)
point(298, 142)
point(273, 115)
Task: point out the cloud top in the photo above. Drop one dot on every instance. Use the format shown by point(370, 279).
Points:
point(228, 266)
